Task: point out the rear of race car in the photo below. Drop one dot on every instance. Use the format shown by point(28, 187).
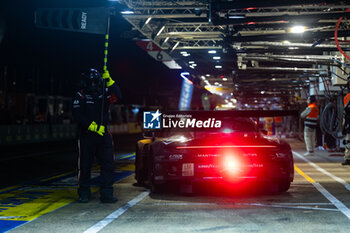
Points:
point(202, 161)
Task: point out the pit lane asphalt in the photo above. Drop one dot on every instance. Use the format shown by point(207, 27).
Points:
point(302, 209)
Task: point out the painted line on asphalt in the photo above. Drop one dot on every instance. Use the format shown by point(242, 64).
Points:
point(183, 204)
point(8, 189)
point(204, 203)
point(340, 206)
point(292, 207)
point(58, 176)
point(113, 216)
point(27, 203)
point(308, 178)
point(277, 205)
point(126, 156)
point(316, 204)
point(346, 185)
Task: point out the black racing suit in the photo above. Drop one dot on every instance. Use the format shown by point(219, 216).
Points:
point(87, 108)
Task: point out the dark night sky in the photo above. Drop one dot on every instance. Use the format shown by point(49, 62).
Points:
point(70, 53)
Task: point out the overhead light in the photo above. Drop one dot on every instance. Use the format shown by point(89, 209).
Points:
point(148, 20)
point(255, 101)
point(208, 75)
point(220, 85)
point(127, 12)
point(218, 67)
point(262, 92)
point(236, 17)
point(286, 42)
point(202, 77)
point(231, 93)
point(273, 79)
point(216, 58)
point(293, 48)
point(190, 62)
point(212, 51)
point(216, 83)
point(194, 64)
point(183, 52)
point(224, 79)
point(298, 29)
point(186, 54)
point(160, 31)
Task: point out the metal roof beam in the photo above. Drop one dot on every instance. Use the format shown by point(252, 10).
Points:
point(314, 17)
point(238, 4)
point(289, 36)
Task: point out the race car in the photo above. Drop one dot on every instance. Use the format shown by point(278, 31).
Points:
point(236, 152)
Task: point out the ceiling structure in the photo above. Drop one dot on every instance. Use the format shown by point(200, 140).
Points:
point(251, 49)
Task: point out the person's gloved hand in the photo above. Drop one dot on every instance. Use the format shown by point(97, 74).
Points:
point(108, 78)
point(101, 130)
point(94, 128)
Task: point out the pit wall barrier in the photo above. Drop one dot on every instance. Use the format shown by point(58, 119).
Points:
point(27, 134)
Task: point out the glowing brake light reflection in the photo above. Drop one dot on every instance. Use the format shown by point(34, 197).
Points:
point(230, 146)
point(231, 164)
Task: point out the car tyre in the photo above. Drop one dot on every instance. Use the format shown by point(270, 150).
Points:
point(284, 185)
point(154, 188)
point(139, 173)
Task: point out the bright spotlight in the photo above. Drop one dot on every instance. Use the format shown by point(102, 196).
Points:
point(298, 29)
point(127, 12)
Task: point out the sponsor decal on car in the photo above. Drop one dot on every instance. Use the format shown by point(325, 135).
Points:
point(256, 165)
point(208, 155)
point(175, 157)
point(208, 166)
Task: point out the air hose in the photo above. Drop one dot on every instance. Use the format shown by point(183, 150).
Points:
point(105, 66)
point(336, 37)
point(331, 118)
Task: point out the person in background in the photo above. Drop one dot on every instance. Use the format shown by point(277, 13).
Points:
point(311, 114)
point(90, 111)
point(269, 125)
point(347, 129)
point(278, 125)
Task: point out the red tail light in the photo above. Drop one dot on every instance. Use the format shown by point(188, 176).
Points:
point(229, 146)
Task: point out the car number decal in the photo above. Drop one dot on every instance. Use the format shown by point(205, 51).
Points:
point(187, 169)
